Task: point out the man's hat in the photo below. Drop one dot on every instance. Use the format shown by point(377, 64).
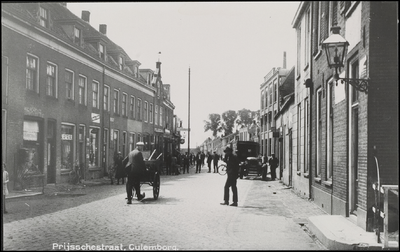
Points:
point(139, 143)
point(228, 149)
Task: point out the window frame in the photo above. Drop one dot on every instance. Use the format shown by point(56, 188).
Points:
point(116, 102)
point(124, 107)
point(106, 98)
point(54, 79)
point(84, 96)
point(72, 84)
point(77, 39)
point(35, 71)
point(145, 111)
point(139, 109)
point(151, 112)
point(96, 94)
point(43, 19)
point(318, 133)
point(132, 106)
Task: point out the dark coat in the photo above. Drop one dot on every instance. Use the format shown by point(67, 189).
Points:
point(232, 165)
point(119, 168)
point(135, 162)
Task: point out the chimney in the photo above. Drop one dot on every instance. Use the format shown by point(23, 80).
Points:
point(103, 29)
point(86, 16)
point(284, 60)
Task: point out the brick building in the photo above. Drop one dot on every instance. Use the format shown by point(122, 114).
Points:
point(71, 96)
point(347, 124)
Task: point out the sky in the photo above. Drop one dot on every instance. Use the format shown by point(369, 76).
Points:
point(229, 48)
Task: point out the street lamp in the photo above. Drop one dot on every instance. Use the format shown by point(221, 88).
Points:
point(335, 49)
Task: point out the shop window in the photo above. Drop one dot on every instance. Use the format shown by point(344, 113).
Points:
point(94, 135)
point(67, 146)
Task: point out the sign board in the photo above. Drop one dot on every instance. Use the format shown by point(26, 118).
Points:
point(182, 141)
point(67, 137)
point(95, 118)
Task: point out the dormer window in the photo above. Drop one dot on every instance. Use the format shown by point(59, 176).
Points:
point(77, 36)
point(101, 51)
point(121, 63)
point(43, 17)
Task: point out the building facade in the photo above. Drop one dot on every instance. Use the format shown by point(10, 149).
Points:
point(346, 124)
point(72, 97)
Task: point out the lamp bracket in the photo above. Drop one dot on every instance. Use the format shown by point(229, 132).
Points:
point(359, 84)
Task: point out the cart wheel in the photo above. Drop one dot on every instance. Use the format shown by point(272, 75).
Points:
point(156, 185)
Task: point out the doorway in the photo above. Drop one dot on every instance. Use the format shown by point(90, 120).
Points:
point(51, 151)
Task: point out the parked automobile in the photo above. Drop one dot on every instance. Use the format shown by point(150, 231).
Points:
point(247, 153)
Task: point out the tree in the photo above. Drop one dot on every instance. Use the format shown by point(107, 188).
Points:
point(245, 117)
point(229, 118)
point(214, 124)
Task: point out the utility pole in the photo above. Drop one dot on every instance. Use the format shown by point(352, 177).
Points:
point(189, 114)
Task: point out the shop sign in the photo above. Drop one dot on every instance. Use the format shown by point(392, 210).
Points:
point(30, 136)
point(95, 118)
point(158, 130)
point(67, 137)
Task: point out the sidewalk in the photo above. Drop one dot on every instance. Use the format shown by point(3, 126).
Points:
point(63, 188)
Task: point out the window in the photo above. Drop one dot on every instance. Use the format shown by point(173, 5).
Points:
point(82, 90)
point(354, 71)
point(116, 141)
point(115, 104)
point(69, 84)
point(329, 129)
point(95, 87)
point(270, 94)
point(145, 112)
point(275, 92)
point(306, 135)
point(156, 115)
point(299, 52)
point(67, 146)
point(94, 153)
point(262, 99)
point(266, 98)
point(32, 73)
point(106, 98)
point(151, 112)
point(319, 133)
point(43, 17)
point(161, 116)
point(101, 51)
point(77, 36)
point(51, 79)
point(132, 107)
point(299, 136)
point(121, 63)
point(124, 105)
point(307, 38)
point(139, 109)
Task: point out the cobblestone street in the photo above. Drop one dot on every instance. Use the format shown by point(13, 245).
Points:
point(187, 215)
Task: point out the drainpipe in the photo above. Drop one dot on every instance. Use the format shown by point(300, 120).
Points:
point(310, 171)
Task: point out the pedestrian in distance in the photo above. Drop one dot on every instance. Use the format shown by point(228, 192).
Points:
point(232, 170)
point(6, 179)
point(209, 160)
point(264, 167)
point(198, 162)
point(203, 157)
point(186, 163)
point(135, 168)
point(215, 161)
point(119, 168)
point(273, 164)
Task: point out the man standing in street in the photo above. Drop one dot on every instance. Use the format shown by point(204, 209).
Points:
point(198, 162)
point(232, 170)
point(135, 168)
point(186, 163)
point(209, 160)
point(273, 164)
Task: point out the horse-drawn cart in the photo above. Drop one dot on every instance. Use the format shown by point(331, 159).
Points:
point(152, 176)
